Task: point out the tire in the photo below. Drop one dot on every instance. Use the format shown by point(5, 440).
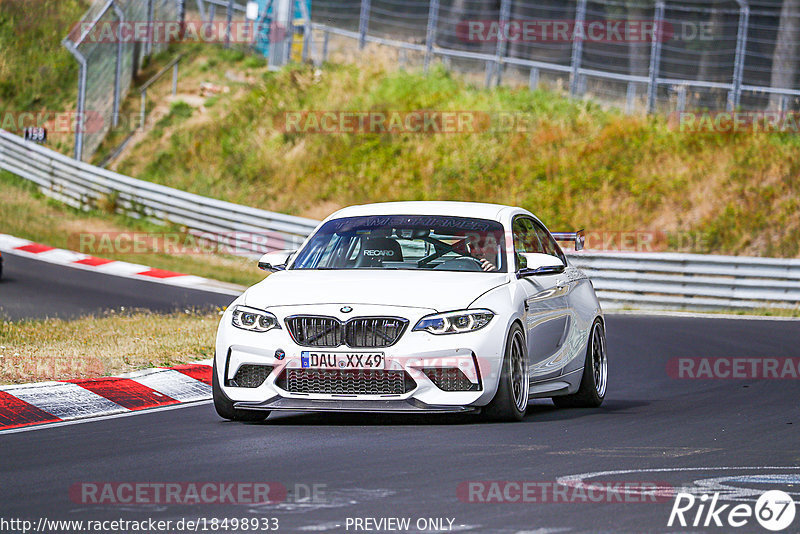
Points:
point(224, 405)
point(511, 399)
point(594, 380)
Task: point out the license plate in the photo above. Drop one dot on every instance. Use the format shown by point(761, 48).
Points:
point(342, 360)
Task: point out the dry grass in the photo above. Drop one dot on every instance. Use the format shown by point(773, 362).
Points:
point(580, 165)
point(94, 346)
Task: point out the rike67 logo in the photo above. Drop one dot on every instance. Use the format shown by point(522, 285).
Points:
point(774, 510)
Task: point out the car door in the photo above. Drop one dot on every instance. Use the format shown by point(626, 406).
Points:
point(545, 314)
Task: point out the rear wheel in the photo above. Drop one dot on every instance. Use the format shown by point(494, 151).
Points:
point(592, 390)
point(511, 399)
point(224, 405)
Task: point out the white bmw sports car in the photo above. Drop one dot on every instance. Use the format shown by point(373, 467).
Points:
point(414, 307)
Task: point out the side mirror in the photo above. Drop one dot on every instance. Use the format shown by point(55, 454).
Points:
point(275, 261)
point(532, 263)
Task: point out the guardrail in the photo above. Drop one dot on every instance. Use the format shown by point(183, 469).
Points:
point(691, 281)
point(241, 229)
point(636, 280)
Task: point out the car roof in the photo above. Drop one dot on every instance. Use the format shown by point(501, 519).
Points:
point(452, 208)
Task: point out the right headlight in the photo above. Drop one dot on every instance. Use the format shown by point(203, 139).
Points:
point(455, 322)
point(253, 319)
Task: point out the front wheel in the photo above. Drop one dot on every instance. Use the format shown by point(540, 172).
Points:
point(511, 399)
point(592, 390)
point(224, 405)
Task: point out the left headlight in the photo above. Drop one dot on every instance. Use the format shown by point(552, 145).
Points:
point(253, 319)
point(455, 322)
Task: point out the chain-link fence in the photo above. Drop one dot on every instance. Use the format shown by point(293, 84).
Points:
point(108, 61)
point(643, 55)
point(658, 55)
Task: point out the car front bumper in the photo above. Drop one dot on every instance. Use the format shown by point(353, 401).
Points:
point(421, 356)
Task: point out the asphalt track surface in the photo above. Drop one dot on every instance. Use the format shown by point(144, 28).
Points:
point(411, 466)
point(32, 288)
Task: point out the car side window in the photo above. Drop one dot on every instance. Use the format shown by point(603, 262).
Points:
point(549, 244)
point(525, 238)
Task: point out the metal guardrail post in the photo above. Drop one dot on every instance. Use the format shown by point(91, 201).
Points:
point(741, 50)
point(630, 98)
point(325, 38)
point(430, 34)
point(577, 49)
point(681, 105)
point(363, 24)
point(533, 79)
point(655, 57)
point(118, 69)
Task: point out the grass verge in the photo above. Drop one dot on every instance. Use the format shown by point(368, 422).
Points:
point(26, 213)
point(94, 346)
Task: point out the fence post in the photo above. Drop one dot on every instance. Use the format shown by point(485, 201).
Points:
point(175, 78)
point(117, 69)
point(325, 38)
point(143, 108)
point(363, 24)
point(150, 15)
point(655, 57)
point(430, 36)
point(741, 48)
point(577, 49)
point(80, 120)
point(228, 24)
point(500, 51)
point(182, 17)
point(308, 38)
point(201, 8)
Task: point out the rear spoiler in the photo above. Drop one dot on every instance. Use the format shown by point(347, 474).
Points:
point(578, 237)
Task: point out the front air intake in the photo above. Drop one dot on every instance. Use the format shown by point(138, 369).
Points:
point(449, 379)
point(250, 376)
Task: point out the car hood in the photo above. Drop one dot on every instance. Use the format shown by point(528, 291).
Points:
point(436, 290)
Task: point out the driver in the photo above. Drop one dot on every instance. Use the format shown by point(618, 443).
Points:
point(486, 254)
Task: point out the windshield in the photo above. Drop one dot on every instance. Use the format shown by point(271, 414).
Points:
point(411, 242)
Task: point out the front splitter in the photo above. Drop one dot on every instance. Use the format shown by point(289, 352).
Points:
point(335, 405)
